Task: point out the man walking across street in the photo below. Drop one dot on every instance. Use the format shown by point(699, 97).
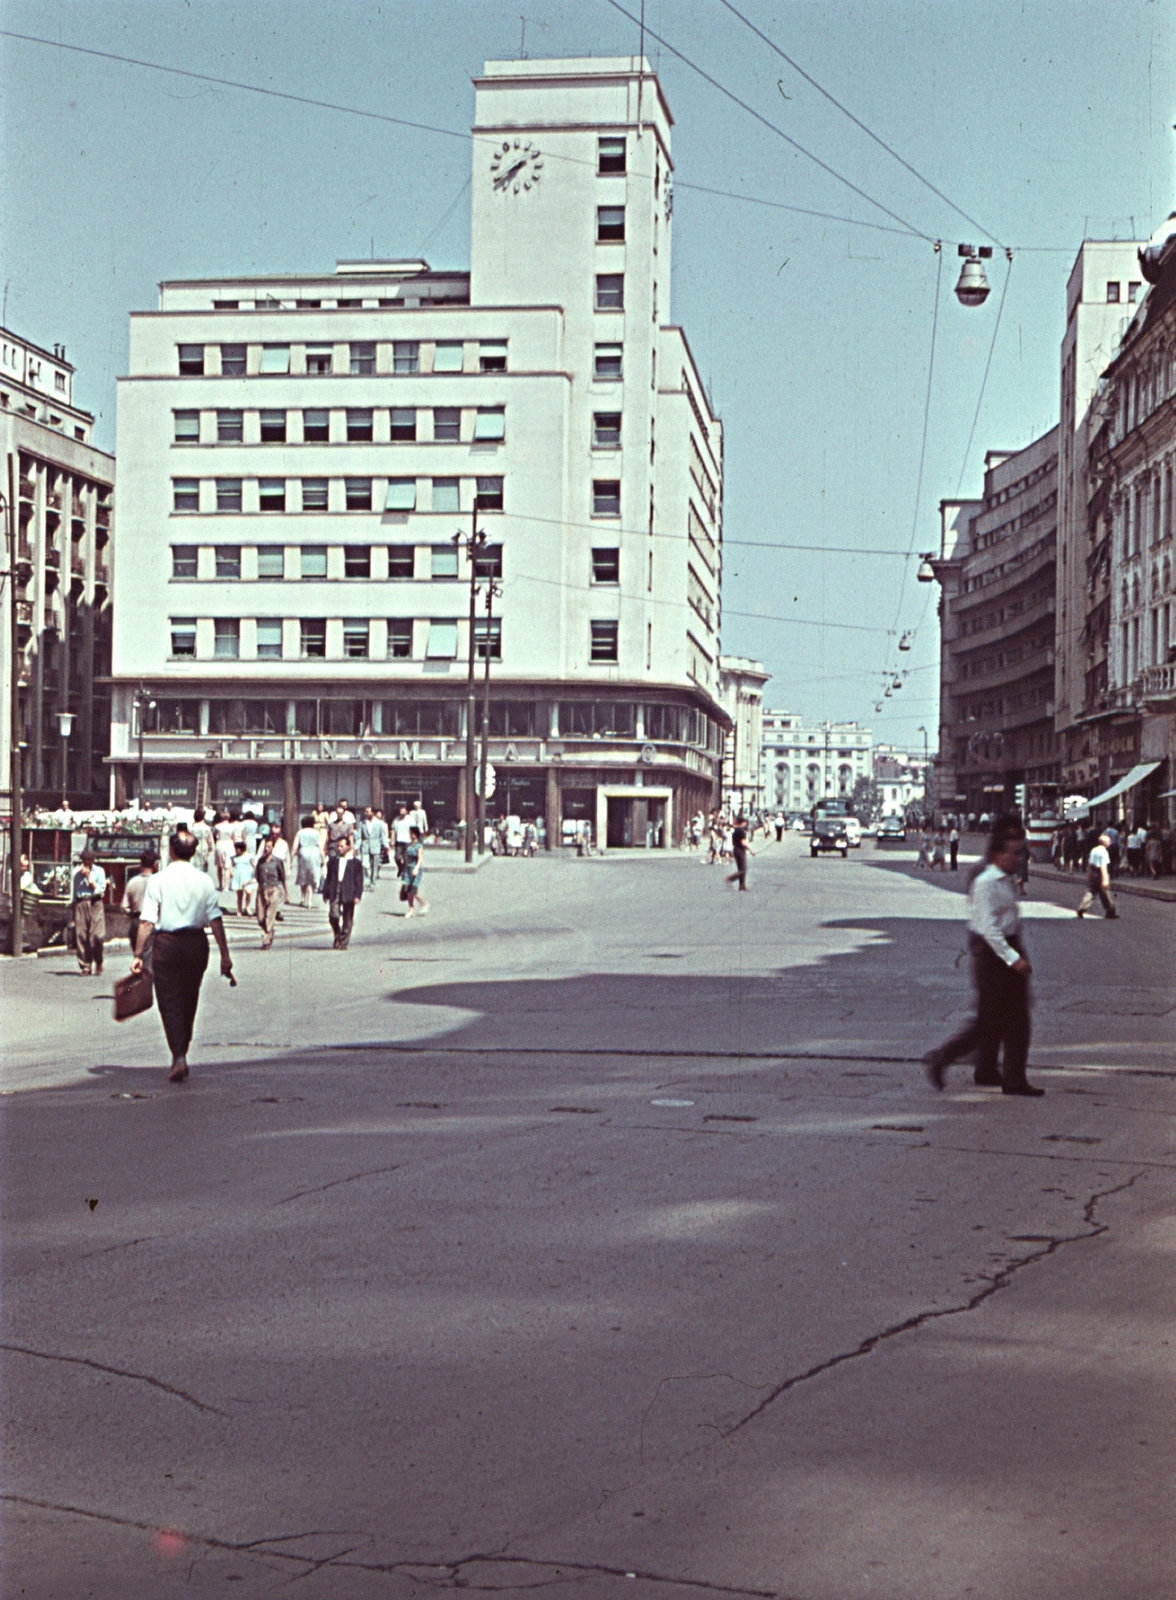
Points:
point(373, 838)
point(341, 825)
point(953, 845)
point(133, 898)
point(270, 872)
point(89, 914)
point(1098, 879)
point(401, 838)
point(740, 850)
point(343, 888)
point(178, 905)
point(1000, 970)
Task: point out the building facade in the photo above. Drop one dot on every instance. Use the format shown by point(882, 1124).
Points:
point(308, 455)
point(60, 492)
point(1098, 737)
point(801, 764)
point(997, 573)
point(741, 690)
point(900, 779)
point(1126, 737)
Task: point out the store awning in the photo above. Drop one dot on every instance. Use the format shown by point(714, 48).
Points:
point(1136, 775)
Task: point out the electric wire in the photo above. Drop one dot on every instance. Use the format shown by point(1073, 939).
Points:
point(858, 123)
point(771, 126)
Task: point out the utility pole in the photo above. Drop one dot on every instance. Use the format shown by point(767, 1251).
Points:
point(492, 590)
point(473, 544)
point(15, 839)
point(142, 705)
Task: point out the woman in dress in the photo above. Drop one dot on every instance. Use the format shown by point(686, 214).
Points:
point(308, 858)
point(414, 866)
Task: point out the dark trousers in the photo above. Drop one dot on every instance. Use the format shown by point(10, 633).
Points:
point(178, 964)
point(342, 915)
point(740, 873)
point(954, 847)
point(1002, 1018)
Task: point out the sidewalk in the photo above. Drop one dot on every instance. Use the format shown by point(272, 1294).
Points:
point(1162, 889)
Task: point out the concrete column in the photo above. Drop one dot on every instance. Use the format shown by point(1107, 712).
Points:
point(551, 809)
point(289, 803)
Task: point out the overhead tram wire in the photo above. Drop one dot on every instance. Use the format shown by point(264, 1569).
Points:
point(771, 126)
point(858, 123)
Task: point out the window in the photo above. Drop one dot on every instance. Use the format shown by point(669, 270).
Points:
point(400, 637)
point(59, 381)
point(606, 566)
point(488, 561)
point(606, 497)
point(273, 427)
point(492, 355)
point(488, 495)
point(610, 291)
point(357, 561)
point(607, 364)
point(228, 494)
point(316, 426)
point(610, 224)
point(307, 305)
point(447, 424)
point(185, 494)
point(173, 716)
point(363, 359)
point(318, 359)
point(446, 494)
point(314, 494)
point(230, 427)
point(191, 361)
point(406, 356)
point(1112, 294)
point(183, 636)
point(359, 427)
point(513, 719)
point(1133, 293)
point(401, 495)
point(232, 360)
point(313, 635)
point(355, 637)
point(491, 423)
point(271, 494)
point(610, 155)
point(349, 305)
point(225, 305)
point(275, 358)
point(491, 628)
point(227, 637)
point(228, 560)
point(604, 641)
point(314, 561)
point(358, 492)
point(579, 717)
point(444, 561)
point(403, 423)
point(187, 427)
point(269, 641)
point(606, 430)
point(183, 560)
point(448, 358)
point(401, 561)
point(442, 644)
point(271, 561)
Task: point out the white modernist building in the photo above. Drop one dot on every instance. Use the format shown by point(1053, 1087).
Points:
point(299, 453)
point(802, 764)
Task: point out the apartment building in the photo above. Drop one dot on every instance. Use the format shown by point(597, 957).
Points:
point(803, 763)
point(60, 494)
point(307, 456)
point(997, 571)
point(741, 689)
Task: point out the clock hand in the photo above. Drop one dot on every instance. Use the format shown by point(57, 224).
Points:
point(505, 177)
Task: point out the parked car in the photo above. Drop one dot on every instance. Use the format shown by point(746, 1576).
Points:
point(829, 834)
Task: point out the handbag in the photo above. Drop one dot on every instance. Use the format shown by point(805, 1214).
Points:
point(404, 891)
point(133, 994)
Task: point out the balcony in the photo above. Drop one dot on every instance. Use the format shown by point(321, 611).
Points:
point(101, 572)
point(1158, 684)
point(53, 500)
point(52, 557)
point(27, 489)
point(77, 563)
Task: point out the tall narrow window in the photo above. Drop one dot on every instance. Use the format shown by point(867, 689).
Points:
point(227, 637)
point(269, 638)
point(488, 628)
point(606, 565)
point(357, 561)
point(442, 644)
point(604, 641)
point(401, 561)
point(610, 156)
point(187, 427)
point(488, 496)
point(444, 561)
point(446, 495)
point(355, 637)
point(399, 638)
point(313, 636)
point(610, 224)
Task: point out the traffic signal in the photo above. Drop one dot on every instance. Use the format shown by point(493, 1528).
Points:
point(1020, 797)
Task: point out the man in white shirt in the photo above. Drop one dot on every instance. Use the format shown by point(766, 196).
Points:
point(179, 903)
point(89, 913)
point(418, 818)
point(402, 827)
point(1000, 971)
point(1098, 879)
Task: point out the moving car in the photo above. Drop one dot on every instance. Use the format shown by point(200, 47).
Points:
point(829, 834)
point(891, 828)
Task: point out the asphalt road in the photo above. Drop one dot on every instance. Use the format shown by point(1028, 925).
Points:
point(598, 1231)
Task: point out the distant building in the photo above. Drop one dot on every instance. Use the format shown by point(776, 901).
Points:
point(901, 781)
point(61, 489)
point(802, 763)
point(996, 568)
point(741, 692)
point(304, 448)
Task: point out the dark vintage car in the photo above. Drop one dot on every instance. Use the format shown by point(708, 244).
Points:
point(891, 830)
point(829, 834)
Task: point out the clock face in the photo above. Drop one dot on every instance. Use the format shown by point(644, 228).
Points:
point(515, 167)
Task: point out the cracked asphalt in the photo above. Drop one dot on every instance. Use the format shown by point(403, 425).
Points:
point(598, 1232)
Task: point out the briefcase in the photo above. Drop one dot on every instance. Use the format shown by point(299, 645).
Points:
point(132, 995)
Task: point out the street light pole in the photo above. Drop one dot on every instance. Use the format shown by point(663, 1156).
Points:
point(65, 722)
point(473, 544)
point(15, 837)
point(492, 590)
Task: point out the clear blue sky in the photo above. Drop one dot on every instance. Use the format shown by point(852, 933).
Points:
point(1045, 121)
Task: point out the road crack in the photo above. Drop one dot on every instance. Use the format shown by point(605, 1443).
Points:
point(992, 1285)
point(116, 1372)
point(352, 1177)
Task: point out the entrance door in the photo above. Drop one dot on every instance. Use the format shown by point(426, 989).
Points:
point(620, 823)
point(655, 829)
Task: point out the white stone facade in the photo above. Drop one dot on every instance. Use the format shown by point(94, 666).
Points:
point(802, 763)
point(300, 452)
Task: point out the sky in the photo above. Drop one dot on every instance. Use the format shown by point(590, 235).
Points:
point(1044, 122)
